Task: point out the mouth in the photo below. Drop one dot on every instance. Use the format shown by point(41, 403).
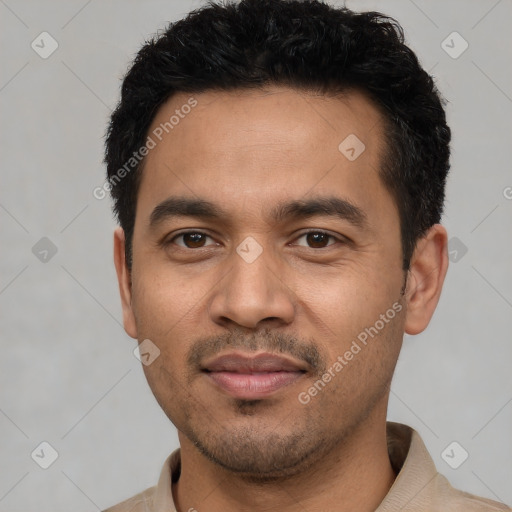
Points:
point(253, 377)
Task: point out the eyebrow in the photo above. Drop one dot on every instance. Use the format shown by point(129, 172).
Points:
point(291, 210)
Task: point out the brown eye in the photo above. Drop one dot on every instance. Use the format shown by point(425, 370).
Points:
point(316, 239)
point(191, 239)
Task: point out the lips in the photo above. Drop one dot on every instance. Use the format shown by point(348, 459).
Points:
point(253, 377)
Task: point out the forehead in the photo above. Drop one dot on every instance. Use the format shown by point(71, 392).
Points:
point(275, 117)
point(255, 145)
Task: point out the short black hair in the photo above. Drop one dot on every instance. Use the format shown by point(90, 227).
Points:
point(302, 44)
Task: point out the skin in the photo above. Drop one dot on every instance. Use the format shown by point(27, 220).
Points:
point(248, 151)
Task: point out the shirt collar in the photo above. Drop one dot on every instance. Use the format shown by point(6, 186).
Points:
point(411, 460)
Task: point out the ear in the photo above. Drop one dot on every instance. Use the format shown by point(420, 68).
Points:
point(427, 271)
point(125, 285)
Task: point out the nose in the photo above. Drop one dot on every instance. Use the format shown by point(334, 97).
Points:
point(253, 295)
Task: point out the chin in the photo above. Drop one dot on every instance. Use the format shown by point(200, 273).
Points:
point(262, 457)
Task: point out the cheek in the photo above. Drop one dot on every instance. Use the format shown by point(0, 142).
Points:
point(168, 383)
point(163, 301)
point(360, 366)
point(163, 317)
point(344, 301)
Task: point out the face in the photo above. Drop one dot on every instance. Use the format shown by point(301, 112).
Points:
point(267, 271)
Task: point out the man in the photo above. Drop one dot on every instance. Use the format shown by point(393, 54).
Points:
point(278, 172)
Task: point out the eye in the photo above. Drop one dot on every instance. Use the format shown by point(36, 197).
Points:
point(198, 240)
point(317, 239)
point(191, 239)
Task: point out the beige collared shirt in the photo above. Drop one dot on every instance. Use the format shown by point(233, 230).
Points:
point(417, 488)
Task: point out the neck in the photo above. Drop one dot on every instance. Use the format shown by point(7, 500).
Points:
point(356, 475)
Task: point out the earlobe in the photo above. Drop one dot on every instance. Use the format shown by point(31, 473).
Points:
point(124, 280)
point(427, 272)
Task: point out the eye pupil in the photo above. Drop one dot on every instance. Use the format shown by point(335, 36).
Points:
point(315, 239)
point(193, 239)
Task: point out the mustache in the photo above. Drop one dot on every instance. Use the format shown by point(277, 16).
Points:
point(266, 340)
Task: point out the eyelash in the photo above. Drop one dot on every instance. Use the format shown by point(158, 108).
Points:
point(315, 231)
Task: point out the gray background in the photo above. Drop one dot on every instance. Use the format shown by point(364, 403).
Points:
point(67, 372)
